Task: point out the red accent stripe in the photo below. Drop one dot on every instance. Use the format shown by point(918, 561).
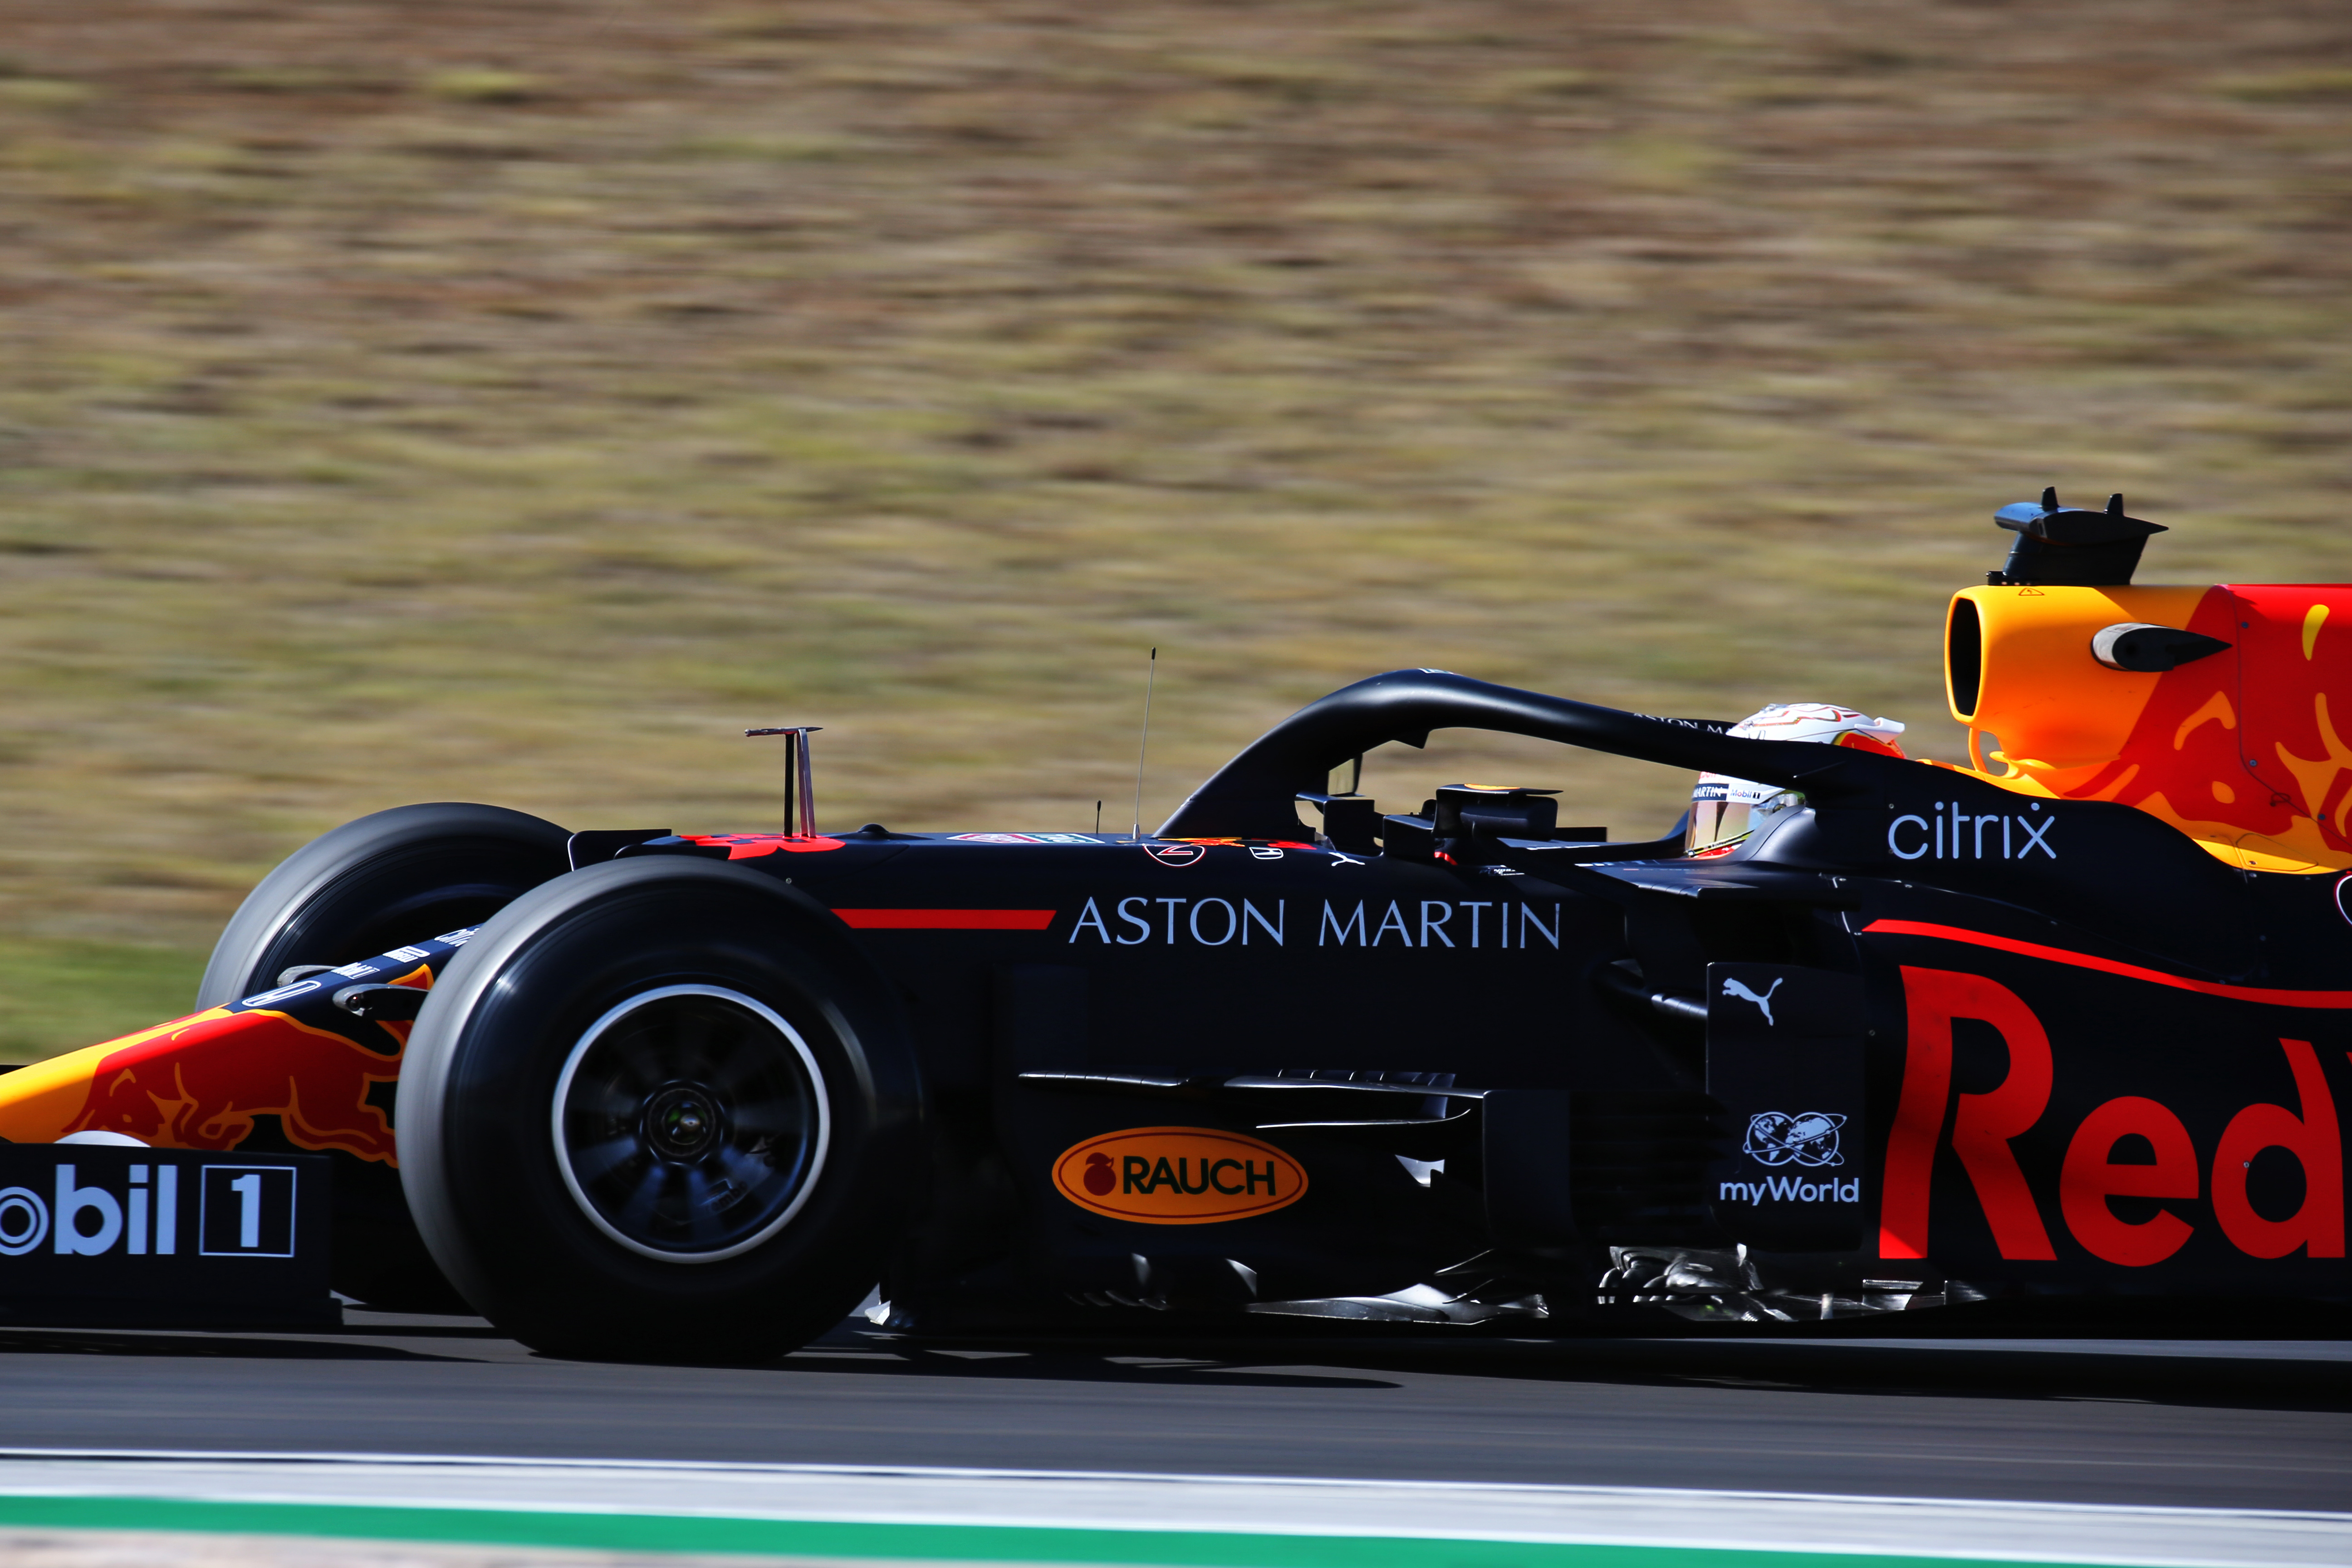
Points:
point(946, 919)
point(2109, 966)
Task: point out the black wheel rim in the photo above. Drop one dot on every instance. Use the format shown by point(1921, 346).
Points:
point(691, 1124)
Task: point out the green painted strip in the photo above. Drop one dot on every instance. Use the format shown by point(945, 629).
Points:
point(931, 1543)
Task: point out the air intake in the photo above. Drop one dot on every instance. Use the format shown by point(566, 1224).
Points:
point(2070, 547)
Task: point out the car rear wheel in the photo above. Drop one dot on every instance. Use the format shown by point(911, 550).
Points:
point(663, 1109)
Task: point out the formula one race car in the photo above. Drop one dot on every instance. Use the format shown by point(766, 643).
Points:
point(1863, 1033)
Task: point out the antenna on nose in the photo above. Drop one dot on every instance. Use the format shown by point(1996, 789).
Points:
point(1150, 678)
point(800, 787)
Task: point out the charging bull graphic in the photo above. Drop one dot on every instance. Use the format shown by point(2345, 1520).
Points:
point(2261, 764)
point(200, 1082)
point(201, 1086)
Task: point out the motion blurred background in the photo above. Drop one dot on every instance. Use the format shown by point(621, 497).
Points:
point(514, 400)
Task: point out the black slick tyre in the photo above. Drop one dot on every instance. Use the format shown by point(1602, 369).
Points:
point(366, 887)
point(663, 1109)
point(377, 882)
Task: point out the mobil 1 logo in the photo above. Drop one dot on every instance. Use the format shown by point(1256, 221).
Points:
point(106, 1233)
point(246, 1211)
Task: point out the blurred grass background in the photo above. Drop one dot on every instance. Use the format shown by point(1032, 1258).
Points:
point(405, 400)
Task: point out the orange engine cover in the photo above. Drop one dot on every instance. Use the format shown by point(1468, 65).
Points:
point(2239, 750)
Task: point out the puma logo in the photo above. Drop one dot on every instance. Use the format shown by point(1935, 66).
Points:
point(1739, 989)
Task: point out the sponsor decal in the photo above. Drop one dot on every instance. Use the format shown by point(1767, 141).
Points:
point(1764, 1004)
point(150, 1235)
point(1808, 1138)
point(751, 846)
point(2090, 1178)
point(284, 993)
point(1479, 923)
point(1432, 924)
point(1949, 833)
point(199, 1082)
point(2317, 1226)
point(1021, 839)
point(246, 1211)
point(242, 1211)
point(2344, 897)
point(23, 1221)
point(76, 1204)
point(946, 920)
point(1208, 923)
point(203, 1082)
point(1789, 1189)
point(1175, 854)
point(1266, 851)
point(1179, 1175)
point(1984, 1126)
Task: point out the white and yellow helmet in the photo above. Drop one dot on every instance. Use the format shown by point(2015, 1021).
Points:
point(1725, 811)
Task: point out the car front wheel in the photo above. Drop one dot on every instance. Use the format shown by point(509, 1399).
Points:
point(663, 1110)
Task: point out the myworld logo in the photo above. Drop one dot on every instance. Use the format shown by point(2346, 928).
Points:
point(1808, 1138)
point(1789, 1190)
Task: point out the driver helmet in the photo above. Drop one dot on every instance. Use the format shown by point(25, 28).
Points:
point(1725, 812)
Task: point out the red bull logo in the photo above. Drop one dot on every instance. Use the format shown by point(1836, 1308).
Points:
point(2239, 750)
point(203, 1081)
point(2101, 1159)
point(199, 1084)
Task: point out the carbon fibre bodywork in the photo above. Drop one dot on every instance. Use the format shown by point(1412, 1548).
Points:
point(1941, 1033)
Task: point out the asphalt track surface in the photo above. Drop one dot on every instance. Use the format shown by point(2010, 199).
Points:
point(2223, 1423)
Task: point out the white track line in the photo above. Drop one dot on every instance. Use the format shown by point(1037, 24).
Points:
point(1632, 1516)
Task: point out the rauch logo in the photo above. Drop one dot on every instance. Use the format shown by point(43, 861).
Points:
point(1177, 1175)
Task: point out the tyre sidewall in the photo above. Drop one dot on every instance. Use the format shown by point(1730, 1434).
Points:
point(377, 882)
point(478, 1145)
